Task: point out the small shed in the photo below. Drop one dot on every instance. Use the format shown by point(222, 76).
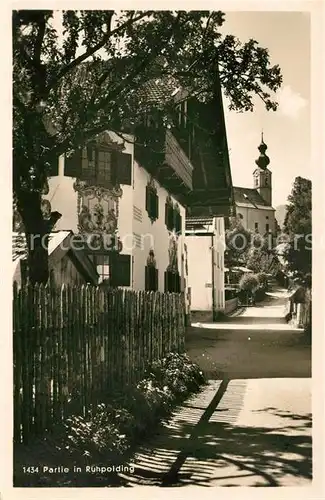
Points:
point(67, 264)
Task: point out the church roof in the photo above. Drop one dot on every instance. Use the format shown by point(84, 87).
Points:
point(249, 196)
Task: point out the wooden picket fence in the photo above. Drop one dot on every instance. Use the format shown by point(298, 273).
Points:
point(75, 345)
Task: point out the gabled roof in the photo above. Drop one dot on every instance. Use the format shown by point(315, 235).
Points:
point(249, 196)
point(58, 240)
point(19, 245)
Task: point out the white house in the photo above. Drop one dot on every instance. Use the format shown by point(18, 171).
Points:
point(133, 223)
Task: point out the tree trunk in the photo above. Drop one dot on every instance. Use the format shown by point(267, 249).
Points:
point(36, 231)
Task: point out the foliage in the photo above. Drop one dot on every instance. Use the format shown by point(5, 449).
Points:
point(98, 435)
point(262, 260)
point(262, 286)
point(248, 282)
point(178, 373)
point(78, 73)
point(263, 280)
point(238, 241)
point(109, 430)
point(298, 226)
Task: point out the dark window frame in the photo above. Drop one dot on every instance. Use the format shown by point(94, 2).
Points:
point(152, 202)
point(151, 279)
point(115, 277)
point(172, 281)
point(92, 169)
point(99, 256)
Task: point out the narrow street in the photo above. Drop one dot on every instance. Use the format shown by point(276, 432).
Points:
point(257, 343)
point(251, 425)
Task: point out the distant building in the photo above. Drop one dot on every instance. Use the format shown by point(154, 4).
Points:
point(254, 205)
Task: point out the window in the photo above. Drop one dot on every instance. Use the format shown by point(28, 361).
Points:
point(151, 279)
point(267, 217)
point(169, 214)
point(178, 223)
point(96, 166)
point(102, 267)
point(177, 220)
point(266, 180)
point(104, 167)
point(113, 268)
point(256, 226)
point(100, 166)
point(267, 227)
point(151, 273)
point(172, 282)
point(256, 181)
point(120, 269)
point(152, 201)
point(173, 218)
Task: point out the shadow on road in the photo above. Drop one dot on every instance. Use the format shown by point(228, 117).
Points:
point(216, 453)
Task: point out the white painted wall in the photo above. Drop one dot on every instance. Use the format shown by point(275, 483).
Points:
point(259, 215)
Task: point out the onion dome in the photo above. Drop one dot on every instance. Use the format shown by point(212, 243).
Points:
point(263, 160)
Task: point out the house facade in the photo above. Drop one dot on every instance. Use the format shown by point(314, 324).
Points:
point(132, 222)
point(254, 205)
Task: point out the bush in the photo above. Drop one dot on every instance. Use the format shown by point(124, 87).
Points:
point(98, 435)
point(248, 282)
point(263, 281)
point(108, 431)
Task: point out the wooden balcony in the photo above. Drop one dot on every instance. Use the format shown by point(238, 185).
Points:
point(160, 154)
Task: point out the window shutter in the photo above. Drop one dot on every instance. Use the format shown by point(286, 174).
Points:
point(156, 280)
point(166, 281)
point(120, 270)
point(72, 165)
point(146, 286)
point(156, 205)
point(171, 218)
point(148, 199)
point(178, 283)
point(123, 167)
point(114, 168)
point(177, 222)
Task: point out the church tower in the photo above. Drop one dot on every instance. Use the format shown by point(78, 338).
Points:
point(262, 175)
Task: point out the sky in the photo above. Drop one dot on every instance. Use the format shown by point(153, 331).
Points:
point(286, 131)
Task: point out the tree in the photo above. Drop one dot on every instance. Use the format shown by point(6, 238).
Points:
point(298, 227)
point(261, 260)
point(78, 73)
point(238, 241)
